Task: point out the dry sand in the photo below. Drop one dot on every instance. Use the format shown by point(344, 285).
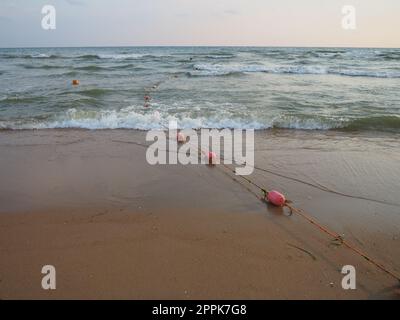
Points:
point(115, 227)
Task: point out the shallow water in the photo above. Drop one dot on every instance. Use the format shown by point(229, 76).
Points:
point(214, 87)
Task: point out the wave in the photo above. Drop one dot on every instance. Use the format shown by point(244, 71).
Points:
point(92, 93)
point(19, 99)
point(319, 70)
point(219, 56)
point(131, 56)
point(223, 70)
point(125, 66)
point(126, 118)
point(389, 56)
point(87, 57)
point(30, 56)
point(389, 123)
point(379, 123)
point(44, 67)
point(44, 56)
point(122, 56)
point(90, 68)
point(116, 56)
point(220, 70)
point(370, 74)
point(69, 74)
point(135, 117)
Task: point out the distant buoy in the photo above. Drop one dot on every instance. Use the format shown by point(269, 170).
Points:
point(147, 98)
point(75, 82)
point(276, 198)
point(180, 137)
point(146, 105)
point(212, 158)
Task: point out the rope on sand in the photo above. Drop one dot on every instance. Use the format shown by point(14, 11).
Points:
point(313, 221)
point(316, 186)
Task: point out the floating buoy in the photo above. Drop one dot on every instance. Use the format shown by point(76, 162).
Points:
point(276, 198)
point(146, 98)
point(180, 137)
point(146, 105)
point(75, 82)
point(212, 158)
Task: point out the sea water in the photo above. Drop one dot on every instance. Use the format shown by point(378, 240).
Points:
point(201, 87)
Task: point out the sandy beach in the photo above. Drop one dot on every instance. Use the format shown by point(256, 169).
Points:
point(88, 203)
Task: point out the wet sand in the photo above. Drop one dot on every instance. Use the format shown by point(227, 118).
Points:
point(88, 203)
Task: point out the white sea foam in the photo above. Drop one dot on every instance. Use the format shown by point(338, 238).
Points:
point(130, 56)
point(41, 56)
point(220, 70)
point(122, 56)
point(221, 56)
point(367, 73)
point(134, 118)
point(131, 118)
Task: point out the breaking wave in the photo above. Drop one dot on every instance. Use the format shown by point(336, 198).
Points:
point(223, 70)
point(115, 56)
point(30, 56)
point(134, 117)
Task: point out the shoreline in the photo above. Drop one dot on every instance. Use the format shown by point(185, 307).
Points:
point(328, 132)
point(116, 227)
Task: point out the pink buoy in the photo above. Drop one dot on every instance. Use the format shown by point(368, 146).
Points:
point(146, 98)
point(276, 198)
point(212, 158)
point(180, 137)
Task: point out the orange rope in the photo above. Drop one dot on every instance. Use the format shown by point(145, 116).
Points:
point(344, 242)
point(324, 229)
point(307, 217)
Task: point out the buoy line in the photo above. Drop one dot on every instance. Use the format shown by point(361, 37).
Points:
point(319, 187)
point(147, 91)
point(307, 217)
point(279, 200)
point(313, 221)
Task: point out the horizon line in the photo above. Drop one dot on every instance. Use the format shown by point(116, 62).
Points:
point(192, 46)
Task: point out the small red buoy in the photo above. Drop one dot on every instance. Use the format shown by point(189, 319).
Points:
point(75, 82)
point(180, 137)
point(146, 98)
point(212, 158)
point(146, 105)
point(276, 198)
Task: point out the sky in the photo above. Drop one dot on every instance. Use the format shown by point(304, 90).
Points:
point(200, 23)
